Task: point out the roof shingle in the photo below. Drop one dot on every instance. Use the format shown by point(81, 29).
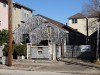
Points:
point(78, 15)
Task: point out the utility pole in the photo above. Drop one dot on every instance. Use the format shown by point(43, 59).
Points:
point(87, 31)
point(98, 34)
point(9, 33)
point(98, 42)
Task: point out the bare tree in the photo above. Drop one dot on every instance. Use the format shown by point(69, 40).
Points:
point(92, 10)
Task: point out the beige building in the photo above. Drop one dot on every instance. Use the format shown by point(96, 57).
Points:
point(21, 14)
point(79, 22)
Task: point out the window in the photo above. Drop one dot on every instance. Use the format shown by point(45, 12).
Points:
point(4, 4)
point(26, 38)
point(39, 52)
point(74, 20)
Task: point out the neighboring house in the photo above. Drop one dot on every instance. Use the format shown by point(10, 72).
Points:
point(21, 14)
point(79, 22)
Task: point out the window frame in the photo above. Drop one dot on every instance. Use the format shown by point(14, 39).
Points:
point(74, 20)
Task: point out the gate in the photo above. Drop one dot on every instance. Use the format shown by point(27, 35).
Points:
point(39, 52)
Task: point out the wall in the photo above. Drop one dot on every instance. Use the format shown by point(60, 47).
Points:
point(3, 16)
point(50, 52)
point(92, 25)
point(17, 15)
point(37, 52)
point(80, 25)
point(25, 14)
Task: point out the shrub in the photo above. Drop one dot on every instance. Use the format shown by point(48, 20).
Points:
point(20, 50)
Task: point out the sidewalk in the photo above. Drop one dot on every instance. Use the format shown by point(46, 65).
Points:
point(28, 65)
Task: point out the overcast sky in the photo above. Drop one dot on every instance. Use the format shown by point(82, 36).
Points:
point(58, 10)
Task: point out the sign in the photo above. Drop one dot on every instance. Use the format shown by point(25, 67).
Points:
point(85, 48)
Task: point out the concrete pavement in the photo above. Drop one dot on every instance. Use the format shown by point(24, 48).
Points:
point(17, 72)
point(50, 68)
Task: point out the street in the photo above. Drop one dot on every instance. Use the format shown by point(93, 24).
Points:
point(17, 72)
point(48, 68)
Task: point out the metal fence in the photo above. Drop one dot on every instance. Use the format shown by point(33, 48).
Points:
point(79, 51)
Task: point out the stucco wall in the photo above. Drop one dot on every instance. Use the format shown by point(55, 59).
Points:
point(17, 16)
point(81, 25)
point(93, 23)
point(25, 14)
point(3, 16)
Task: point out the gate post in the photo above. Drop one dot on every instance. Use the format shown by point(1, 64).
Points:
point(50, 50)
point(59, 56)
point(29, 50)
point(54, 51)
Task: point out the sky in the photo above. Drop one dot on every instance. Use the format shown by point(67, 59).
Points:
point(58, 10)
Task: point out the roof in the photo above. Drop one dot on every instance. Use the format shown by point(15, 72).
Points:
point(23, 6)
point(61, 25)
point(18, 5)
point(78, 15)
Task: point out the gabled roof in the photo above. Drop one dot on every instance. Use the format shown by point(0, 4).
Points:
point(78, 15)
point(61, 25)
